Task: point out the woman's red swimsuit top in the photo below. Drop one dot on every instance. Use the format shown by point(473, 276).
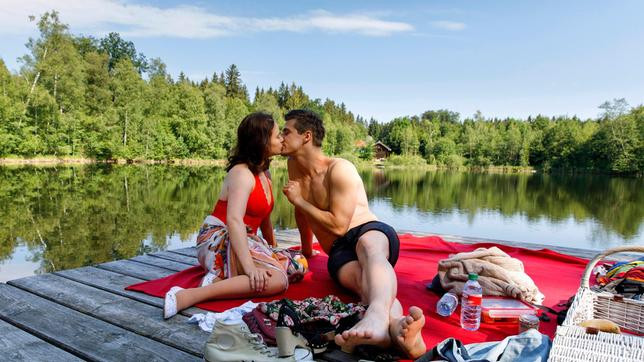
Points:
point(257, 207)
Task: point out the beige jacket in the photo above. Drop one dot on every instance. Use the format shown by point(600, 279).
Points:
point(499, 274)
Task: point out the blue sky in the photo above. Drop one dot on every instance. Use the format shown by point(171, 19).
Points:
point(383, 59)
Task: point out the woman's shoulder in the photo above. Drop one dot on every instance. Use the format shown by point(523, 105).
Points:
point(240, 168)
point(240, 173)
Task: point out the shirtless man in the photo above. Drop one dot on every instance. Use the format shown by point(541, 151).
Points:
point(331, 203)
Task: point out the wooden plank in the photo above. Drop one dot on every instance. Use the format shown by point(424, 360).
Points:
point(190, 251)
point(137, 270)
point(82, 335)
point(140, 318)
point(115, 283)
point(288, 237)
point(162, 263)
point(191, 260)
point(144, 272)
point(18, 345)
point(109, 281)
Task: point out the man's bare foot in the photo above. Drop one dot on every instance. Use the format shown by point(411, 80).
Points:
point(406, 333)
point(373, 329)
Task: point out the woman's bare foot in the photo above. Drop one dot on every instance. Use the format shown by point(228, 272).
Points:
point(181, 300)
point(373, 329)
point(406, 333)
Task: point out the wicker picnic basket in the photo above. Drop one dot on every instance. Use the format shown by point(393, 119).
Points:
point(572, 343)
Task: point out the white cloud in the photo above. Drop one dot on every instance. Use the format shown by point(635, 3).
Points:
point(135, 20)
point(448, 25)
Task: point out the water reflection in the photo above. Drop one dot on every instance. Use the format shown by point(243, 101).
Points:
point(67, 217)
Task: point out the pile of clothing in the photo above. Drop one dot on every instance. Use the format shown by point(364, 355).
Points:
point(625, 278)
point(499, 274)
point(250, 329)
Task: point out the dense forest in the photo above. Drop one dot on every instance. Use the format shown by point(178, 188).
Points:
point(82, 96)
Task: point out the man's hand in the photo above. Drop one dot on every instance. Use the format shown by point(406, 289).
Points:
point(312, 254)
point(293, 191)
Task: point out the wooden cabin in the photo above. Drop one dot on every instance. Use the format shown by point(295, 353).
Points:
point(381, 150)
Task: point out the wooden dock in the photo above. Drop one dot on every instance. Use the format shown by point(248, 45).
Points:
point(86, 314)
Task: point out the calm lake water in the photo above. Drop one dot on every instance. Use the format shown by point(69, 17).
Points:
point(66, 217)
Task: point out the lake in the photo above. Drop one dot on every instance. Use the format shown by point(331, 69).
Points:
point(55, 218)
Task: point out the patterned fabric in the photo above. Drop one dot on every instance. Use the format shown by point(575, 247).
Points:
point(296, 264)
point(329, 308)
point(623, 269)
point(625, 278)
point(215, 253)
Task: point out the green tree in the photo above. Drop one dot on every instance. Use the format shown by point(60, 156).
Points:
point(12, 111)
point(562, 143)
point(98, 95)
point(118, 49)
point(127, 89)
point(617, 144)
point(267, 102)
point(235, 88)
point(215, 108)
point(190, 121)
point(236, 110)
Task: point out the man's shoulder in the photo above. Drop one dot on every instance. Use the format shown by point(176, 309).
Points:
point(341, 169)
point(341, 164)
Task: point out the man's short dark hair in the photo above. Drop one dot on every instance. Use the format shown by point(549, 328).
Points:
point(306, 120)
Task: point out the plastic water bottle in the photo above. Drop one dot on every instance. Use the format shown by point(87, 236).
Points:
point(471, 303)
point(447, 304)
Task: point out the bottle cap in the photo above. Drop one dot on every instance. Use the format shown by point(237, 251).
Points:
point(472, 276)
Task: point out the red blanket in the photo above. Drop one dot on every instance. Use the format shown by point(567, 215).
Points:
point(556, 275)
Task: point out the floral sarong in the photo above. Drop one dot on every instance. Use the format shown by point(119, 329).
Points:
point(330, 309)
point(216, 255)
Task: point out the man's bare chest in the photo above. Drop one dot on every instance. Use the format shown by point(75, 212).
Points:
point(315, 191)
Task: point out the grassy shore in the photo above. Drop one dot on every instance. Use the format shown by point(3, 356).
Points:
point(277, 162)
point(53, 160)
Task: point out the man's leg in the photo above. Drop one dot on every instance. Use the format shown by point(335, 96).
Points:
point(374, 280)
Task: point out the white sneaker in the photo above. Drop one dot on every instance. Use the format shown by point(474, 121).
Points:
point(170, 303)
point(235, 342)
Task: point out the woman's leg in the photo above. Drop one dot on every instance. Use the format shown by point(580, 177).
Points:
point(235, 287)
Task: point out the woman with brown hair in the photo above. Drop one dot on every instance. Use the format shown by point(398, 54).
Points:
point(240, 263)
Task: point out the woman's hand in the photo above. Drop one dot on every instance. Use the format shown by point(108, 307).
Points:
point(258, 278)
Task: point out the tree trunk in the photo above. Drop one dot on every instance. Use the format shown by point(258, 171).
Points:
point(55, 87)
point(618, 138)
point(33, 85)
